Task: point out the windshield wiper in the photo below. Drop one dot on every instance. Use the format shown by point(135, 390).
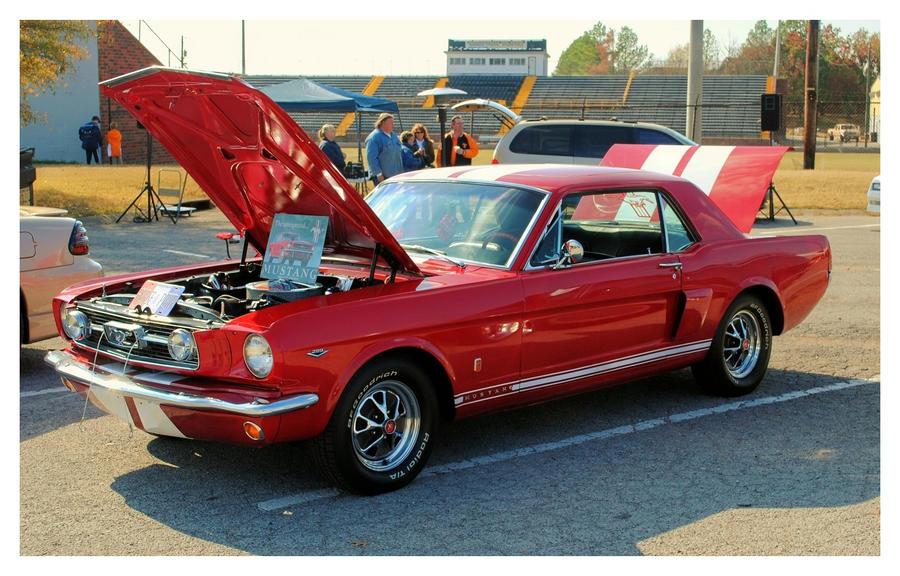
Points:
point(433, 252)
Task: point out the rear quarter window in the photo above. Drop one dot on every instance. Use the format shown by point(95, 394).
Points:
point(593, 141)
point(645, 136)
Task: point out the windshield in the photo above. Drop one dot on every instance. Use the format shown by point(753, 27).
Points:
point(481, 223)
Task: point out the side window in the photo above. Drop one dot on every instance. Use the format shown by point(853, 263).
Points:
point(645, 136)
point(678, 235)
point(549, 139)
point(614, 224)
point(593, 141)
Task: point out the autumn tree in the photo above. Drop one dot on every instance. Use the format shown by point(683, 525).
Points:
point(48, 50)
point(756, 56)
point(601, 50)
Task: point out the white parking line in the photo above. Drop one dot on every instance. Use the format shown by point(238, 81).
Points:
point(279, 503)
point(814, 229)
point(191, 254)
point(307, 497)
point(59, 390)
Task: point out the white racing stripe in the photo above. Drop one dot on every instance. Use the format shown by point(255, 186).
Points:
point(490, 459)
point(705, 165)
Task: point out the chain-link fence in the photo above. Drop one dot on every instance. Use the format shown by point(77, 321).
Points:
point(831, 113)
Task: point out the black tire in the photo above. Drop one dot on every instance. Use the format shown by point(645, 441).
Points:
point(382, 430)
point(739, 355)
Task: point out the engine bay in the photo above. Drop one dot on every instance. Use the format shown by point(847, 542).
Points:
point(225, 295)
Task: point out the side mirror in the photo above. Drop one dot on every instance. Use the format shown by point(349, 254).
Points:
point(572, 253)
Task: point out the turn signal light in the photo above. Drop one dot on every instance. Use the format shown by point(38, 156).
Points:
point(253, 431)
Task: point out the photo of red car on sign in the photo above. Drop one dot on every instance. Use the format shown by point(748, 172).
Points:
point(444, 294)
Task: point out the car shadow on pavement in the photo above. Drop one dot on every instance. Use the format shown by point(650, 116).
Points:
point(597, 497)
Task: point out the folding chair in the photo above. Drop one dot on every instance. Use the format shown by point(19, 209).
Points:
point(174, 188)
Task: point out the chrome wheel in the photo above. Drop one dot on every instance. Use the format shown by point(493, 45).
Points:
point(385, 425)
point(742, 344)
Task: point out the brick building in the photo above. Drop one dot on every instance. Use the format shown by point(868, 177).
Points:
point(112, 52)
point(118, 53)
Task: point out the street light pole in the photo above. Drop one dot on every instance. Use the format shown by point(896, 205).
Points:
point(442, 97)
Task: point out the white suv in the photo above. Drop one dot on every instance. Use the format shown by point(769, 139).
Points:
point(568, 141)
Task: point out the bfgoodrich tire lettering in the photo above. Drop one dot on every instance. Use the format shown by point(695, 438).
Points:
point(382, 430)
point(739, 355)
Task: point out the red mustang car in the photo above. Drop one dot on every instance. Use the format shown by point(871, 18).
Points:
point(447, 293)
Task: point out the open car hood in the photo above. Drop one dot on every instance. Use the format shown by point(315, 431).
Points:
point(252, 159)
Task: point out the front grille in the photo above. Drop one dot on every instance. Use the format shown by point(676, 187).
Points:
point(153, 334)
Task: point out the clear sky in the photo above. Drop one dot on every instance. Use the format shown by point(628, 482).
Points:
point(410, 38)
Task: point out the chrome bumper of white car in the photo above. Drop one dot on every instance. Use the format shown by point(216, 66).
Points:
point(119, 385)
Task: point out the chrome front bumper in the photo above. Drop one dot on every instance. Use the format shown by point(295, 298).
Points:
point(105, 383)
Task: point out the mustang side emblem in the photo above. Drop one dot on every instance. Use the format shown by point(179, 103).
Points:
point(317, 353)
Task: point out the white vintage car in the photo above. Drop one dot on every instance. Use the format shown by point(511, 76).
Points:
point(873, 196)
point(53, 254)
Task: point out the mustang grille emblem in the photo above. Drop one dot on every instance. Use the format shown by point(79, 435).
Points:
point(122, 335)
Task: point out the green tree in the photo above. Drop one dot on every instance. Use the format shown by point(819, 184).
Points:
point(710, 51)
point(629, 53)
point(578, 58)
point(48, 50)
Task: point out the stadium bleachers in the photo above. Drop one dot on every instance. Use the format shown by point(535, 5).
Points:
point(499, 88)
point(730, 103)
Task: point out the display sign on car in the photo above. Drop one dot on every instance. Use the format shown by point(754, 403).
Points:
point(295, 246)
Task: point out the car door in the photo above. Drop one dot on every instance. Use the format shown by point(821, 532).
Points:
point(611, 314)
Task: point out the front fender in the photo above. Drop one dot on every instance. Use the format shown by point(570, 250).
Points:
point(381, 348)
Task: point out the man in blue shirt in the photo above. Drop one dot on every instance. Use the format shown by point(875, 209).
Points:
point(383, 150)
point(91, 139)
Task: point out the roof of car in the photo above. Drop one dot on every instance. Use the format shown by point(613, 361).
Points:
point(549, 177)
point(607, 122)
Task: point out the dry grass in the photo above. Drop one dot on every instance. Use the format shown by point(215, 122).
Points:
point(839, 182)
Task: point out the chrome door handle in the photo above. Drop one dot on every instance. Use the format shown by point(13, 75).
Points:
point(670, 265)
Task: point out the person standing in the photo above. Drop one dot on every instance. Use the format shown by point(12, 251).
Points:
point(114, 144)
point(412, 158)
point(457, 147)
point(424, 143)
point(331, 148)
point(91, 138)
point(383, 150)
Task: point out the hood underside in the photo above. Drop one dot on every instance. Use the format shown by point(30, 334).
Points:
point(252, 159)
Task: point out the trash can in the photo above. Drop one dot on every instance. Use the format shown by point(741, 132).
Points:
point(27, 172)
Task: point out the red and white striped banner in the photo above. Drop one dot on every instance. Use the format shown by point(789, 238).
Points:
point(736, 178)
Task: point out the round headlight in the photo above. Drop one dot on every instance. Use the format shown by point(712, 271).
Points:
point(258, 356)
point(181, 344)
point(75, 324)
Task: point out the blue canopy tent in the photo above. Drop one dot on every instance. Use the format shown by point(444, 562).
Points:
point(305, 95)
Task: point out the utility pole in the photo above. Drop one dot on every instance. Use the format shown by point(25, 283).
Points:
point(694, 116)
point(243, 51)
point(776, 71)
point(812, 80)
point(867, 95)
